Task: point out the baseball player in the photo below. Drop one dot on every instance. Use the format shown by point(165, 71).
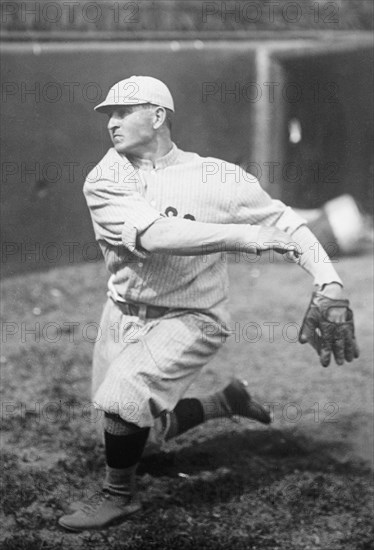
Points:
point(164, 219)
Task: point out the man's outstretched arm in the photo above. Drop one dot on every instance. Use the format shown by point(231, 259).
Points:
point(180, 237)
point(328, 323)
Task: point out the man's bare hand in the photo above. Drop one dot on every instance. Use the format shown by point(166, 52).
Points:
point(272, 238)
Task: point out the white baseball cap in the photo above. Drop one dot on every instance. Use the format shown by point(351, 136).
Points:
point(137, 90)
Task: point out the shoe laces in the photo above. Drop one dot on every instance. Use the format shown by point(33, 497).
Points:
point(94, 501)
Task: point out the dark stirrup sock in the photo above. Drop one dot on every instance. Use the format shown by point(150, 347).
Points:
point(191, 412)
point(124, 442)
point(123, 451)
point(233, 400)
point(124, 445)
point(187, 414)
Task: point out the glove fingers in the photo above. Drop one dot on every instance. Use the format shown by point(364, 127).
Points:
point(325, 354)
point(349, 353)
point(328, 327)
point(344, 345)
point(356, 349)
point(321, 342)
point(351, 349)
point(327, 339)
point(338, 348)
point(307, 333)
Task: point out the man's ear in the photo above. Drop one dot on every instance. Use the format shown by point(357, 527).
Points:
point(159, 117)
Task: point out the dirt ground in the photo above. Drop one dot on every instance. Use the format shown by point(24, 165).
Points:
point(304, 483)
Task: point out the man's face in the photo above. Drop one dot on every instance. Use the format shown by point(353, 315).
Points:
point(131, 129)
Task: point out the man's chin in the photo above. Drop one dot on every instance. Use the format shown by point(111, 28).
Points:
point(120, 148)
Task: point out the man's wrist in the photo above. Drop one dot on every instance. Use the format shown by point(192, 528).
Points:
point(322, 286)
point(333, 290)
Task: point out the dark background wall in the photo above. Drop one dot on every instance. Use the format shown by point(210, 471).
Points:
point(53, 137)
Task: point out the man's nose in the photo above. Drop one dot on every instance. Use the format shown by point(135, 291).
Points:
point(112, 122)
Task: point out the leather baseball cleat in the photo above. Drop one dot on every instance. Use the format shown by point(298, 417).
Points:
point(102, 510)
point(241, 403)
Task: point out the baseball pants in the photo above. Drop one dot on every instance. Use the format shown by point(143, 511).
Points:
point(143, 367)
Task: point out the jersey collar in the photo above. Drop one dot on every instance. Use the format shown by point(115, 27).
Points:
point(167, 160)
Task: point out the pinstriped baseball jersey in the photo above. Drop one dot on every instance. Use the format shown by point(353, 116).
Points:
point(141, 379)
point(126, 198)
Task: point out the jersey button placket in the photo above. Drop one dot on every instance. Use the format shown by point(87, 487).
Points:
point(153, 174)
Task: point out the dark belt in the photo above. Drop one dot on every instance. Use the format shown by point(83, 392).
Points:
point(151, 312)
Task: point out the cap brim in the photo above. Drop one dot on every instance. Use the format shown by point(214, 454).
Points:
point(105, 107)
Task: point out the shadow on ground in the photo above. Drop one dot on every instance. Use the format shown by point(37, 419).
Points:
point(238, 489)
point(251, 460)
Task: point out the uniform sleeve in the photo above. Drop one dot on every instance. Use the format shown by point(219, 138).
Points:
point(319, 266)
point(251, 204)
point(119, 213)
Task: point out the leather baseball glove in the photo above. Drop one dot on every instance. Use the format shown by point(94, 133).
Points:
point(328, 327)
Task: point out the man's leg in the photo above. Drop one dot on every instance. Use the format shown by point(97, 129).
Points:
point(124, 445)
point(142, 377)
point(233, 400)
